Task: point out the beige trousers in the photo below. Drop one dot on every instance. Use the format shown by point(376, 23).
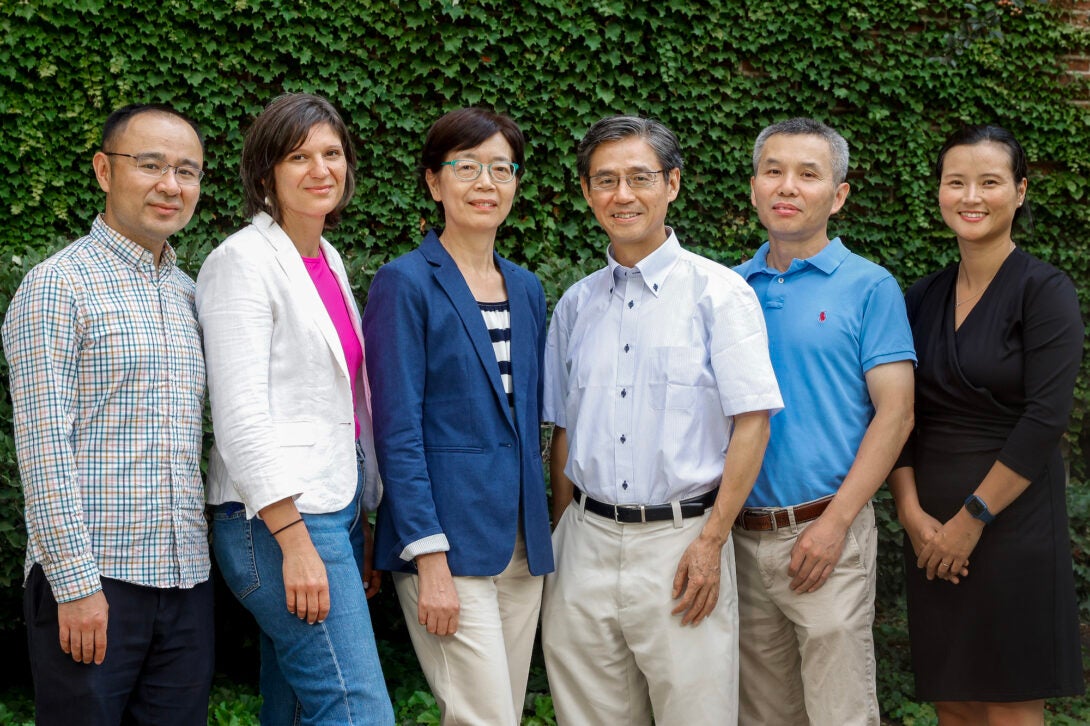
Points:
point(478, 675)
point(807, 658)
point(613, 651)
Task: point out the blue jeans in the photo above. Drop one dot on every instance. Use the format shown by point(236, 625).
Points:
point(325, 673)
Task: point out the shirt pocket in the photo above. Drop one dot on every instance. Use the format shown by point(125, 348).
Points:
point(675, 377)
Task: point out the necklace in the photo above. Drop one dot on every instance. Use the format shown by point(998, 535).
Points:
point(959, 303)
point(961, 276)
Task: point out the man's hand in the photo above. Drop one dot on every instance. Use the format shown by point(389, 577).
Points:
point(697, 580)
point(437, 604)
point(83, 628)
point(815, 554)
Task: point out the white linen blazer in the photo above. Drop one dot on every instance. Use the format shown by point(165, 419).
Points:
point(282, 411)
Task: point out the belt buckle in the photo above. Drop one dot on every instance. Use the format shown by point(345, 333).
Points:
point(617, 512)
point(768, 512)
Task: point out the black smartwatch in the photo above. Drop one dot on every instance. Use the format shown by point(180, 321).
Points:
point(975, 506)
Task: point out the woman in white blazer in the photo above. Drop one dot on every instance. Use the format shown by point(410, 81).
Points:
point(292, 469)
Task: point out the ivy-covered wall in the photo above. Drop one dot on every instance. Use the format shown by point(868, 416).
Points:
point(894, 78)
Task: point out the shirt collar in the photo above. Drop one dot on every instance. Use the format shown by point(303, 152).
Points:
point(654, 268)
point(129, 252)
point(827, 260)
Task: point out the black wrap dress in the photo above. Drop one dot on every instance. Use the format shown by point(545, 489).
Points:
point(1000, 387)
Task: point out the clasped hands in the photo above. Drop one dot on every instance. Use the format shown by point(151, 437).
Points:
point(943, 549)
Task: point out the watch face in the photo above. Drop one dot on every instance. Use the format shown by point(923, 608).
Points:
point(976, 507)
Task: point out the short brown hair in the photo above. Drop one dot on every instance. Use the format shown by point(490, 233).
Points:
point(277, 131)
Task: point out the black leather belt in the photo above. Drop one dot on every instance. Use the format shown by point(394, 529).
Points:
point(637, 513)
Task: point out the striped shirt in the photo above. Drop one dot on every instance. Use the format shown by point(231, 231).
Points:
point(497, 318)
point(107, 382)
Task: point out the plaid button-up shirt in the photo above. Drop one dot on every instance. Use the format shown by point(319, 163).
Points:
point(107, 381)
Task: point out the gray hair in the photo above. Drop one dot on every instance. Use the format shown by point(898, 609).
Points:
point(838, 147)
point(617, 128)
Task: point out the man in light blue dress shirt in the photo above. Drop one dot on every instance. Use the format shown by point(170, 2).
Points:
point(842, 350)
point(658, 378)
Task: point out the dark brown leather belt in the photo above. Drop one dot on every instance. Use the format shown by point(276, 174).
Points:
point(768, 519)
point(637, 513)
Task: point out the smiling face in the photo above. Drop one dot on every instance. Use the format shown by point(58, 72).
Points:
point(149, 209)
point(978, 194)
point(634, 219)
point(310, 179)
point(474, 208)
point(794, 192)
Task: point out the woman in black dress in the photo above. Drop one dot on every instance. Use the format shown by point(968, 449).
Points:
point(979, 489)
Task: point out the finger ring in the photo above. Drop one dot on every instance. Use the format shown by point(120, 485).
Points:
point(945, 564)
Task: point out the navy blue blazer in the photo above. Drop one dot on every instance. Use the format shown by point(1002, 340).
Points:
point(452, 458)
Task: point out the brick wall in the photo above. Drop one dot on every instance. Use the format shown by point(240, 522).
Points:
point(1079, 65)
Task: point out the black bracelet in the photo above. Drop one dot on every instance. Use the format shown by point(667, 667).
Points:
point(290, 524)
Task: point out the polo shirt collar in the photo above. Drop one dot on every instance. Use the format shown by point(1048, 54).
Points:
point(654, 268)
point(827, 260)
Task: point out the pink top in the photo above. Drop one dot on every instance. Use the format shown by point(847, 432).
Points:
point(330, 292)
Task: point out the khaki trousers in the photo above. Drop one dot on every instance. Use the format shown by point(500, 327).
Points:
point(807, 658)
point(478, 675)
point(613, 651)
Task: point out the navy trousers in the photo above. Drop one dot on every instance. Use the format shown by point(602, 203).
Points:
point(160, 653)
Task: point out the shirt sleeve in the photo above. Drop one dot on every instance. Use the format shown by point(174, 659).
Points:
point(885, 334)
point(42, 343)
point(556, 366)
point(738, 346)
point(237, 319)
point(394, 328)
point(1052, 339)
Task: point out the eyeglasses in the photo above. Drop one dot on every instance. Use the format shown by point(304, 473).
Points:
point(152, 165)
point(501, 172)
point(639, 180)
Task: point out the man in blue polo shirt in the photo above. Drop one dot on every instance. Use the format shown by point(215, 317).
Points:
point(842, 351)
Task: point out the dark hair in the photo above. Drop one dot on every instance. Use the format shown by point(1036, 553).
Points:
point(617, 128)
point(117, 121)
point(463, 129)
point(970, 135)
point(838, 146)
point(276, 132)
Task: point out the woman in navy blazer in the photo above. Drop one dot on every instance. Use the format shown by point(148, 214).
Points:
point(455, 337)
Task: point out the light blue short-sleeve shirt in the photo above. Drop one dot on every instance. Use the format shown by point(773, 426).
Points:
point(830, 319)
point(647, 366)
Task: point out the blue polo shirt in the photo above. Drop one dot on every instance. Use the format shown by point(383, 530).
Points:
point(831, 318)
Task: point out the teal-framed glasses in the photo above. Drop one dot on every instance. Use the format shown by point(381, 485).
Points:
point(638, 180)
point(152, 165)
point(501, 172)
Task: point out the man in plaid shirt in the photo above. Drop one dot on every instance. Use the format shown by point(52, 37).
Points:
point(107, 381)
